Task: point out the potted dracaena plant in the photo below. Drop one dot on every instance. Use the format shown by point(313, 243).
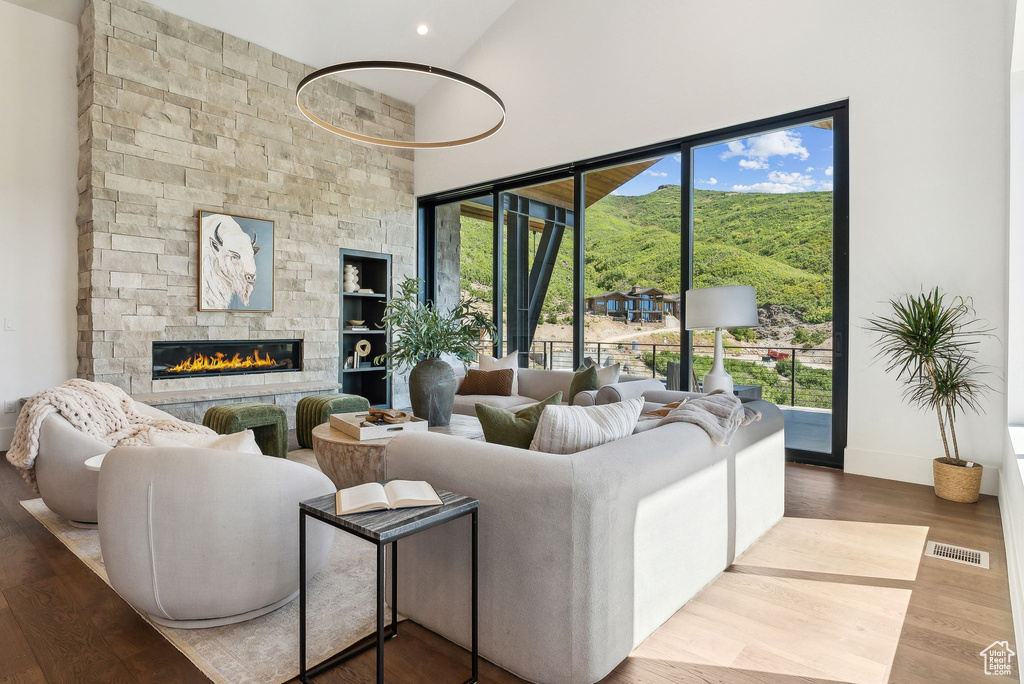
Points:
point(421, 334)
point(931, 345)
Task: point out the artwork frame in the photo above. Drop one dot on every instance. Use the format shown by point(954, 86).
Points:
point(237, 276)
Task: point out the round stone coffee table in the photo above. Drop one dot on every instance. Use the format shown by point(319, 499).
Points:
point(350, 462)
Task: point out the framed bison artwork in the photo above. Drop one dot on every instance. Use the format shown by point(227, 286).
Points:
point(236, 263)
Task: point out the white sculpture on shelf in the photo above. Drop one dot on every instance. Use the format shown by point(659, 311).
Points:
point(350, 279)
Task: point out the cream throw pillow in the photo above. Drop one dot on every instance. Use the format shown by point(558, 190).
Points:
point(609, 375)
point(489, 363)
point(568, 429)
point(243, 442)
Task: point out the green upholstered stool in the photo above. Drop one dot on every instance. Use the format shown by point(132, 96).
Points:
point(317, 409)
point(267, 421)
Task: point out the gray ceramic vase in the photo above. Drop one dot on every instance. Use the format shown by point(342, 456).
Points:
point(432, 391)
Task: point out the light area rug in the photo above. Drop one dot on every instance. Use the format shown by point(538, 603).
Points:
point(340, 610)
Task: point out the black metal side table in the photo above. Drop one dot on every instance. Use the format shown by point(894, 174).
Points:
point(381, 528)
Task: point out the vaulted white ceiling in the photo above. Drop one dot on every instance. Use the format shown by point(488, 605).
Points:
point(322, 32)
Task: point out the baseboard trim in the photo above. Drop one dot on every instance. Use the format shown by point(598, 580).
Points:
point(1006, 504)
point(906, 468)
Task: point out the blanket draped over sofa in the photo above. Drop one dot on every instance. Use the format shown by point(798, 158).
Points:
point(98, 409)
point(719, 414)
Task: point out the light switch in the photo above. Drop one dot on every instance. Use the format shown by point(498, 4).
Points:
point(8, 324)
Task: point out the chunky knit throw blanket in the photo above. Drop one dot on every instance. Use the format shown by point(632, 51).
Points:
point(98, 409)
point(719, 414)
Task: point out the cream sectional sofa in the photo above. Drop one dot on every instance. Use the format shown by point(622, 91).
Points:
point(537, 384)
point(583, 556)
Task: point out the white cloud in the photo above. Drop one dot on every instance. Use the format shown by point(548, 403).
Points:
point(734, 149)
point(773, 188)
point(751, 165)
point(826, 186)
point(678, 157)
point(808, 169)
point(828, 171)
point(777, 144)
point(795, 178)
point(709, 181)
point(656, 174)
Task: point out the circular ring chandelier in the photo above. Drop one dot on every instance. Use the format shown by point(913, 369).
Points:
point(411, 67)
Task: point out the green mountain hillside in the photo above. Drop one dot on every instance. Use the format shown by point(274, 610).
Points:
point(780, 244)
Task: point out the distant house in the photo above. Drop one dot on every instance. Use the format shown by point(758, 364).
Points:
point(638, 305)
point(672, 305)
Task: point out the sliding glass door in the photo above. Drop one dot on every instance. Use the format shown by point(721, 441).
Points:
point(763, 213)
point(631, 272)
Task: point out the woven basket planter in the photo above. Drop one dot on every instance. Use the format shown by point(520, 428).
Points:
point(956, 483)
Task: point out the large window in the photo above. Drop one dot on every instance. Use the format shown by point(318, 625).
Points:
point(631, 280)
point(539, 234)
point(762, 216)
point(592, 260)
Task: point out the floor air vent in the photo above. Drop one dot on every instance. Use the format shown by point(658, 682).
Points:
point(957, 554)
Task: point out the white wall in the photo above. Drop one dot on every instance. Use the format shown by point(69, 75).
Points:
point(1011, 482)
point(38, 201)
point(927, 84)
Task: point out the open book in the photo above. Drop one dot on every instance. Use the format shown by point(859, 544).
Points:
point(373, 496)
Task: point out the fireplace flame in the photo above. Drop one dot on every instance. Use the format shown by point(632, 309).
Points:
point(221, 362)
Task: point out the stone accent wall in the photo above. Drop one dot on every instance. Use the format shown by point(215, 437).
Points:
point(175, 117)
point(448, 229)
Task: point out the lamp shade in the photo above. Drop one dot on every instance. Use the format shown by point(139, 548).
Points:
point(730, 306)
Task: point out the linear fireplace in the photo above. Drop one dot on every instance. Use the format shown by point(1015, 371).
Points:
point(193, 358)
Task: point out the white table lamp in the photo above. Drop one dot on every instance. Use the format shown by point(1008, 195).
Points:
point(720, 308)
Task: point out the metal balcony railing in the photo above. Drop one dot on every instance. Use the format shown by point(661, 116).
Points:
point(790, 376)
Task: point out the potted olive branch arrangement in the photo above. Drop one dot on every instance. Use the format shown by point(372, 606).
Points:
point(421, 334)
point(931, 345)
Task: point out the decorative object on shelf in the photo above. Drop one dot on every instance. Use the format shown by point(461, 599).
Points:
point(350, 279)
point(355, 322)
point(236, 263)
point(720, 308)
point(931, 345)
point(348, 361)
point(362, 350)
point(408, 67)
point(422, 335)
point(365, 290)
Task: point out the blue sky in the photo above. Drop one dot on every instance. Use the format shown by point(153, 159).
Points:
point(795, 160)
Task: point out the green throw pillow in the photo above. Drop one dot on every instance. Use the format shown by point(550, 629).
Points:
point(585, 378)
point(502, 426)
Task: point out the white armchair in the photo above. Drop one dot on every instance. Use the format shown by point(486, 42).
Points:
point(67, 487)
point(200, 537)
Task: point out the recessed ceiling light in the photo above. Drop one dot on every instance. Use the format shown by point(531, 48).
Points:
point(422, 29)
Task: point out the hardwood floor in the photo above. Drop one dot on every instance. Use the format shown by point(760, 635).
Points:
point(61, 623)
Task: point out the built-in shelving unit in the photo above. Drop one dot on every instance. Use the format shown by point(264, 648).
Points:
point(366, 380)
